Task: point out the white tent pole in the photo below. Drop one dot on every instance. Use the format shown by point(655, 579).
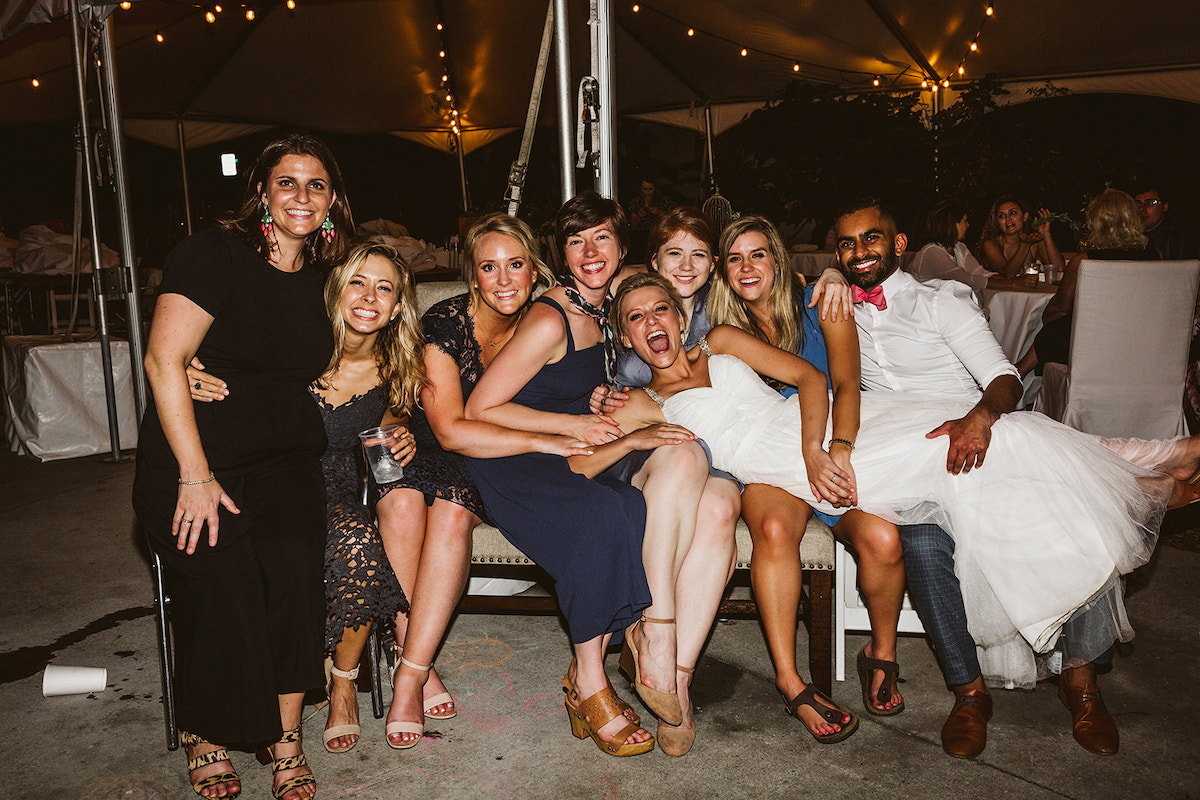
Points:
point(462, 170)
point(85, 136)
point(566, 116)
point(607, 184)
point(133, 311)
point(183, 175)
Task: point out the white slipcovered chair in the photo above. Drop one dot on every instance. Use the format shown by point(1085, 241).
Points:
point(1129, 344)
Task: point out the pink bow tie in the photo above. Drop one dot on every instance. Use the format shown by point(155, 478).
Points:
point(874, 297)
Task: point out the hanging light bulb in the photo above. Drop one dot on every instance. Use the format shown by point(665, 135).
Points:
point(795, 67)
point(925, 84)
point(974, 46)
point(36, 83)
point(249, 14)
point(745, 52)
point(159, 37)
point(291, 4)
point(210, 17)
point(439, 26)
point(876, 81)
point(691, 31)
point(990, 11)
point(126, 6)
point(441, 53)
point(218, 9)
point(636, 8)
point(961, 70)
point(946, 83)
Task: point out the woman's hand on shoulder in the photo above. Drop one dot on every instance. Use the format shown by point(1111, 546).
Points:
point(197, 505)
point(838, 299)
point(202, 386)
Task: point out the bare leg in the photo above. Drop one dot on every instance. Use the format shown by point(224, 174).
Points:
point(441, 575)
point(776, 520)
point(706, 569)
point(290, 706)
point(881, 580)
point(223, 789)
point(672, 481)
point(343, 694)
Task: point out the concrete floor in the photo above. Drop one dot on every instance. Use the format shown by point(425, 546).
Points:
point(75, 590)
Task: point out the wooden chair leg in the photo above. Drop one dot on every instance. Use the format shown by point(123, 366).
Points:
point(820, 628)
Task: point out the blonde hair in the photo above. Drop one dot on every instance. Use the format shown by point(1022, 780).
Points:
point(509, 226)
point(399, 347)
point(725, 307)
point(1114, 223)
point(640, 280)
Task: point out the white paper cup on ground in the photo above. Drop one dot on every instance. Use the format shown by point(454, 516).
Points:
point(376, 443)
point(73, 680)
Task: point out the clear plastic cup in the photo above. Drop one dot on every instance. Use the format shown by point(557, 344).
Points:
point(376, 444)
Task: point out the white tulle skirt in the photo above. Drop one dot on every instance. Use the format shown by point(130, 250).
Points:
point(1046, 525)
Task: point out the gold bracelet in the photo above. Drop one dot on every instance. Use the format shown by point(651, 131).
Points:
point(209, 479)
point(846, 442)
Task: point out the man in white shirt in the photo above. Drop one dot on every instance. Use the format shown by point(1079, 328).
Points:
point(931, 338)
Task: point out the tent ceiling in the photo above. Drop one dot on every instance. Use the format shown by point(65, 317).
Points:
point(370, 66)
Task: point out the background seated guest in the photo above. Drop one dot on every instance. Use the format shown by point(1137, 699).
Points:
point(1008, 246)
point(946, 255)
point(1114, 234)
point(1173, 240)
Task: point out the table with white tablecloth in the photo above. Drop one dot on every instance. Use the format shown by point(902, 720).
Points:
point(1015, 316)
point(54, 397)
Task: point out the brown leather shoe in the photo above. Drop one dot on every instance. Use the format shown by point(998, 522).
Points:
point(965, 733)
point(1092, 725)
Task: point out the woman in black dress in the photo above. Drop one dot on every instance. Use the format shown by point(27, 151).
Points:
point(231, 493)
point(427, 516)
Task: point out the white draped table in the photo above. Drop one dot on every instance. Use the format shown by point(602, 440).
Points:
point(54, 397)
point(1015, 316)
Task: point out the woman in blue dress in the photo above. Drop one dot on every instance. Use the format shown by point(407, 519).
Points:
point(756, 292)
point(586, 530)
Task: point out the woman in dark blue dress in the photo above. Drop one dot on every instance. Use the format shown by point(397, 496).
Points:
point(585, 530)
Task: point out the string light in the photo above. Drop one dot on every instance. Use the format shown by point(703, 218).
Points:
point(36, 83)
point(946, 83)
point(441, 53)
point(159, 37)
point(218, 9)
point(925, 84)
point(745, 52)
point(636, 8)
point(990, 11)
point(974, 47)
point(249, 14)
point(210, 17)
point(795, 67)
point(961, 69)
point(126, 6)
point(691, 31)
point(439, 26)
point(291, 4)
point(875, 82)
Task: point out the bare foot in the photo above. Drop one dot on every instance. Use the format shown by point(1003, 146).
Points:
point(1186, 460)
point(343, 710)
point(877, 676)
point(222, 789)
point(790, 687)
point(407, 702)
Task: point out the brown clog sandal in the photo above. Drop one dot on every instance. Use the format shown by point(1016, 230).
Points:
point(834, 715)
point(891, 676)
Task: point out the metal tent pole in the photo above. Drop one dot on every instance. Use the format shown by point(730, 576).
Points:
point(183, 175)
point(110, 395)
point(566, 116)
point(462, 170)
point(111, 99)
point(607, 183)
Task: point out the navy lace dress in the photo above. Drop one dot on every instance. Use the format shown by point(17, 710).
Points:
point(360, 585)
point(586, 533)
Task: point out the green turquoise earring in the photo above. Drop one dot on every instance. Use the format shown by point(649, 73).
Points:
point(327, 231)
point(266, 221)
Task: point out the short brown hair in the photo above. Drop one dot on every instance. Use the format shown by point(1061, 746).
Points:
point(587, 210)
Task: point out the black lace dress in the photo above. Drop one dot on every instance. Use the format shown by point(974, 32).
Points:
point(435, 472)
point(360, 585)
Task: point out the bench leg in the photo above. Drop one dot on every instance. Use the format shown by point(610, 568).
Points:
point(820, 628)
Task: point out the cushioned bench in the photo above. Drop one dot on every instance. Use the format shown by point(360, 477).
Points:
point(492, 554)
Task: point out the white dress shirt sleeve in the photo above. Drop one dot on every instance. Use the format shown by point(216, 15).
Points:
point(964, 328)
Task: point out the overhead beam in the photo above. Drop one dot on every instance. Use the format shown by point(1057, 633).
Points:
point(902, 37)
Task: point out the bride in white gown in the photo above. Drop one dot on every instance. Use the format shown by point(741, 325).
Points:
point(1052, 522)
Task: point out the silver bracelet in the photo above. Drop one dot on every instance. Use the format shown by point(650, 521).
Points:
point(209, 479)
